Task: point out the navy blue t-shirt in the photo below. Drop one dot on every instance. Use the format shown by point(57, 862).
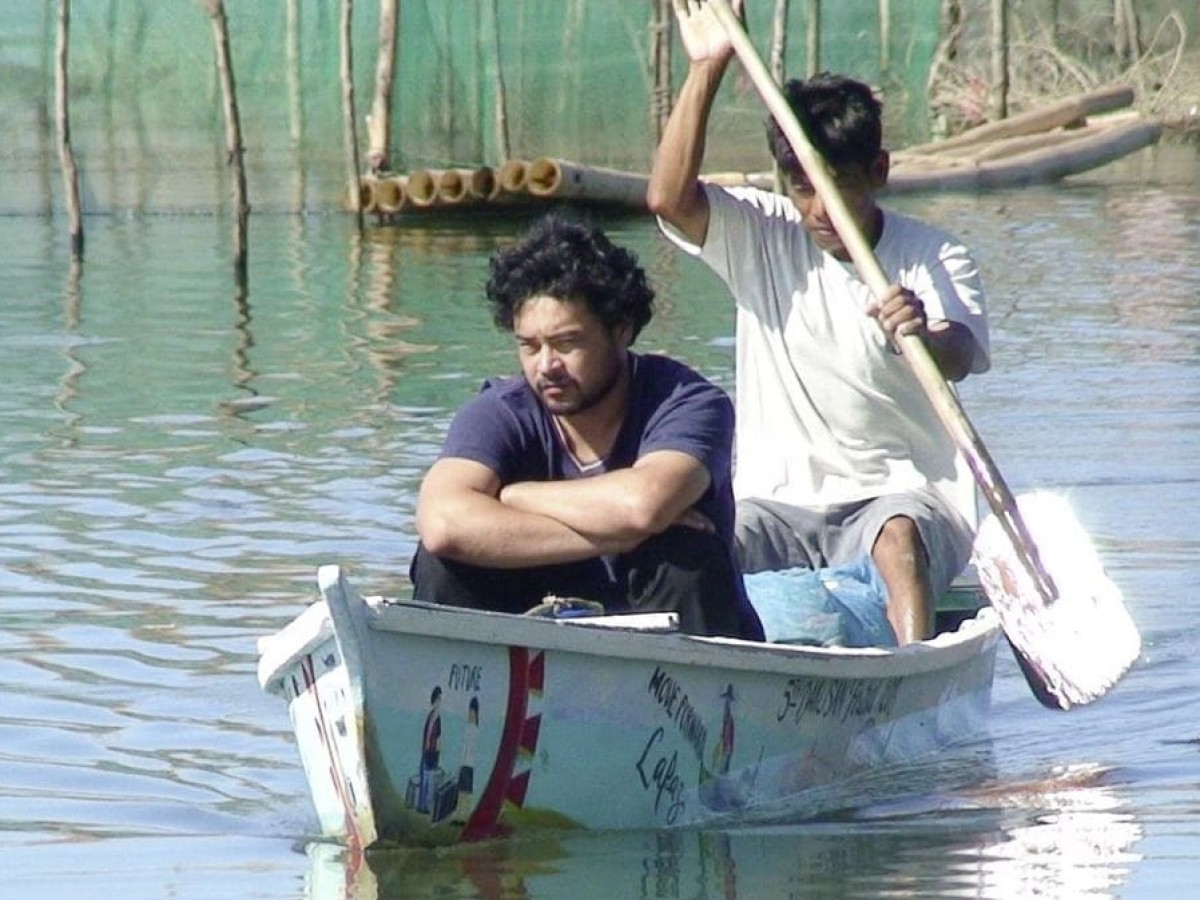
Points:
point(671, 407)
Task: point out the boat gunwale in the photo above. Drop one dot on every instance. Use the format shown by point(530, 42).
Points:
point(944, 651)
point(314, 626)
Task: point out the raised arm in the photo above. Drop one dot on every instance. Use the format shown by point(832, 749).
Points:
point(674, 191)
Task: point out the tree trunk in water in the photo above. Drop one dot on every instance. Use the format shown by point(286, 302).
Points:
point(813, 48)
point(999, 89)
point(65, 154)
point(1128, 39)
point(778, 66)
point(349, 114)
point(379, 123)
point(660, 66)
point(503, 145)
point(233, 136)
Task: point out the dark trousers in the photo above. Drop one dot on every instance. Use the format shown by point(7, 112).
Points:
point(682, 570)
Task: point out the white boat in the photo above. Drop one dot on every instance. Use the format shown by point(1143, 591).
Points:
point(430, 724)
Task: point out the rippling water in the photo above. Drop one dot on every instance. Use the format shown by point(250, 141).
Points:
point(176, 460)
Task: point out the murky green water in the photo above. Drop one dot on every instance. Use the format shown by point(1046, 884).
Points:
point(176, 460)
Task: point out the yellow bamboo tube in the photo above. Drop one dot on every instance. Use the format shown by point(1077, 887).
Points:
point(451, 187)
point(561, 178)
point(391, 194)
point(481, 183)
point(423, 187)
point(513, 175)
point(368, 193)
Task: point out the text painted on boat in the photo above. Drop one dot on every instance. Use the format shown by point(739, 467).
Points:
point(658, 764)
point(839, 699)
point(464, 677)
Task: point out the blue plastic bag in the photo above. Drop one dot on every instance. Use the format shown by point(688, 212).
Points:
point(842, 606)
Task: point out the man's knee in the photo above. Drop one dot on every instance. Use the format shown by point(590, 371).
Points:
point(691, 573)
point(445, 582)
point(764, 539)
point(900, 538)
point(691, 553)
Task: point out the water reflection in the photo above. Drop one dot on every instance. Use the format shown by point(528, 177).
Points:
point(1155, 295)
point(1079, 843)
point(1068, 835)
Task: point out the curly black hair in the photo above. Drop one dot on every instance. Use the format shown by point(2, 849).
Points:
point(841, 117)
point(568, 260)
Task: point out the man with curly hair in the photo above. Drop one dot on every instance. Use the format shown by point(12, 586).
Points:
point(597, 473)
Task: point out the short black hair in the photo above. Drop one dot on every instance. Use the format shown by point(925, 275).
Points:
point(570, 260)
point(841, 116)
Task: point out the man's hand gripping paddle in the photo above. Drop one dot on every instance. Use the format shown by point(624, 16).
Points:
point(1062, 614)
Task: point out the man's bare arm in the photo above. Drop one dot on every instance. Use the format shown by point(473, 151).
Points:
point(460, 516)
point(674, 191)
point(625, 506)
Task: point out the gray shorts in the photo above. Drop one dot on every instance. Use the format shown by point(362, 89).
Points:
point(774, 535)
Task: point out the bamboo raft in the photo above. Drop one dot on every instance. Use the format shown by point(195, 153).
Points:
point(1042, 145)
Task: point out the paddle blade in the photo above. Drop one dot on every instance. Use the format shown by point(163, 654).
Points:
point(1073, 649)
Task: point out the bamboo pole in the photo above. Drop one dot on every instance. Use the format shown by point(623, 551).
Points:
point(233, 136)
point(1128, 39)
point(1067, 111)
point(885, 35)
point(513, 176)
point(778, 69)
point(295, 99)
point(779, 40)
point(379, 122)
point(367, 195)
point(660, 66)
point(1089, 150)
point(562, 179)
point(482, 183)
point(349, 114)
point(813, 47)
point(500, 94)
point(65, 154)
point(999, 86)
point(423, 187)
point(950, 26)
point(391, 194)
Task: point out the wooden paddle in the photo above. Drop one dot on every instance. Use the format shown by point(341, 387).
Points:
point(1070, 630)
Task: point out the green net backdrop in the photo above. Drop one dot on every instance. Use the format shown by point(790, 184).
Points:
point(147, 124)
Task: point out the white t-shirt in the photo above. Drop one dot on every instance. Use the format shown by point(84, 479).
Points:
point(827, 413)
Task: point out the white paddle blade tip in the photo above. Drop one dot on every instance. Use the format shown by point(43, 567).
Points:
point(1074, 649)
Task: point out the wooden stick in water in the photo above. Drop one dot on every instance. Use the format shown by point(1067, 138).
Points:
point(65, 154)
point(233, 136)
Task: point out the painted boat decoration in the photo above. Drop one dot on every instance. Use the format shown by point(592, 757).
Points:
point(427, 724)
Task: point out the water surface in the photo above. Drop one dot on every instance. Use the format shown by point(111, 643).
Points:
point(177, 459)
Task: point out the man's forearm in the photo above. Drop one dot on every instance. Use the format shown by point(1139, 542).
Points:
point(482, 531)
point(597, 508)
point(621, 508)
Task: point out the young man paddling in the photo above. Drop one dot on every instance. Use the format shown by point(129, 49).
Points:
point(840, 455)
point(597, 473)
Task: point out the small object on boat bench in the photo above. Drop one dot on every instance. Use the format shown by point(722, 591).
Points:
point(553, 607)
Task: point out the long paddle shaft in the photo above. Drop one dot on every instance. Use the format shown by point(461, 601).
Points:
point(944, 400)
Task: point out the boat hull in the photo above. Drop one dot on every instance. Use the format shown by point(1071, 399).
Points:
point(436, 725)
